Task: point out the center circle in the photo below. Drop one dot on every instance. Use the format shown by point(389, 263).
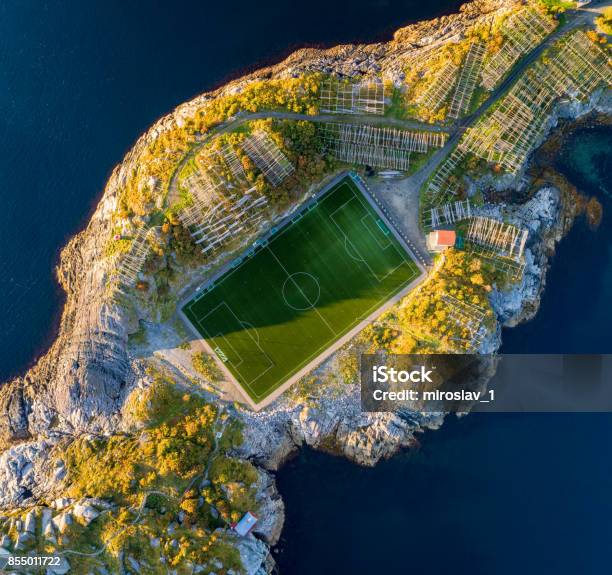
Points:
point(301, 291)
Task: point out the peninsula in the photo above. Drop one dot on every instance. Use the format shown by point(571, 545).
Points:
point(252, 245)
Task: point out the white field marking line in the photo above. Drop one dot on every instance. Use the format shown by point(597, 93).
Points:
point(321, 348)
point(367, 207)
point(247, 383)
point(346, 247)
point(251, 326)
point(202, 327)
point(244, 258)
point(343, 205)
point(347, 239)
point(389, 242)
point(414, 252)
point(308, 300)
point(256, 345)
point(301, 291)
point(214, 345)
point(226, 342)
point(273, 387)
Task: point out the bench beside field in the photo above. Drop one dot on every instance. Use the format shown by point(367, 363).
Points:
point(299, 294)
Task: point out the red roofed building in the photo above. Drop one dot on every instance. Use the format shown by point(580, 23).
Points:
point(439, 240)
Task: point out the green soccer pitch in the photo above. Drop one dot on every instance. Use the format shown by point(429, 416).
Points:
point(289, 299)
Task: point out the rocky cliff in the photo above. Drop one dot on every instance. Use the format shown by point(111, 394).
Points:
point(80, 383)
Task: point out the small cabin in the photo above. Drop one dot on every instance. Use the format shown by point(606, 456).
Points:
point(439, 240)
point(246, 524)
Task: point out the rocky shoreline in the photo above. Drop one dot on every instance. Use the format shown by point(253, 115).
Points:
point(80, 386)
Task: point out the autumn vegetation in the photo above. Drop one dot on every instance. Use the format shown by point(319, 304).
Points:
point(421, 322)
point(167, 480)
point(157, 159)
point(604, 22)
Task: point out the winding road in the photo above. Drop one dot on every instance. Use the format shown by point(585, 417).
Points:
point(402, 196)
point(575, 18)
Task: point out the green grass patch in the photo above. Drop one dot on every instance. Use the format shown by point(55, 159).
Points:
point(288, 299)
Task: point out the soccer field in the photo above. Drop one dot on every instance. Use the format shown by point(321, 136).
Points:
point(292, 296)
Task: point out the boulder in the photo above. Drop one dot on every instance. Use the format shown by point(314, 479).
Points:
point(253, 553)
point(61, 569)
point(84, 513)
point(271, 509)
point(23, 539)
point(62, 502)
point(60, 470)
point(29, 524)
point(46, 526)
point(62, 521)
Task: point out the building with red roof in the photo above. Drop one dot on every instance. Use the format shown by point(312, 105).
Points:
point(439, 240)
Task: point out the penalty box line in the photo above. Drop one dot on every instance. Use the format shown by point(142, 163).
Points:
point(346, 238)
point(255, 342)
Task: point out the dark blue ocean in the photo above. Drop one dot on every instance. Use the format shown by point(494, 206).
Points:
point(490, 494)
point(79, 81)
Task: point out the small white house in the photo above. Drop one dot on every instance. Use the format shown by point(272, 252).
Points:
point(246, 524)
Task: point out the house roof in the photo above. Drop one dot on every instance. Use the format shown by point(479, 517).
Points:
point(446, 237)
point(245, 524)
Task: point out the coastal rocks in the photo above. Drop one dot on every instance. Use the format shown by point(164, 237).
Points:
point(85, 513)
point(23, 472)
point(14, 412)
point(45, 522)
point(512, 305)
point(337, 424)
point(62, 503)
point(271, 510)
point(61, 568)
point(312, 424)
point(539, 213)
point(62, 521)
point(23, 540)
point(94, 368)
point(270, 444)
point(38, 523)
point(79, 383)
point(368, 438)
point(541, 217)
point(30, 522)
point(363, 438)
point(253, 554)
point(425, 32)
